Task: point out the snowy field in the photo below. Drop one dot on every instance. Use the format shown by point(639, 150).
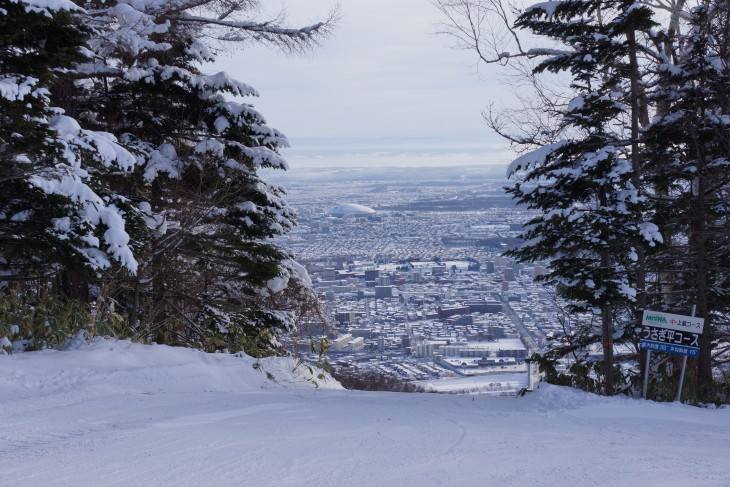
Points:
point(494, 384)
point(116, 414)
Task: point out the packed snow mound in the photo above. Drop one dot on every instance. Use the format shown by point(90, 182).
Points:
point(123, 366)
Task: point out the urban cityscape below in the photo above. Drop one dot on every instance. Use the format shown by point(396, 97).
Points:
point(414, 284)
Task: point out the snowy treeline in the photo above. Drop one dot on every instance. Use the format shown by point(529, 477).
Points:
point(623, 131)
point(131, 199)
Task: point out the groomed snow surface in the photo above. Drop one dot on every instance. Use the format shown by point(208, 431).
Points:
point(112, 413)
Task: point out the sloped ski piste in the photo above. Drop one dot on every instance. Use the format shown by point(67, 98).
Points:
point(110, 412)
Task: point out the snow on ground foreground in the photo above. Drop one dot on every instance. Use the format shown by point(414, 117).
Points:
point(112, 413)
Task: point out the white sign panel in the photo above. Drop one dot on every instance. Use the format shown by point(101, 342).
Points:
point(669, 321)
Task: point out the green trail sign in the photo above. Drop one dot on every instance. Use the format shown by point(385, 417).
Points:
point(670, 333)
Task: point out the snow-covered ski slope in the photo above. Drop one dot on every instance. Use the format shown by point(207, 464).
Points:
point(112, 413)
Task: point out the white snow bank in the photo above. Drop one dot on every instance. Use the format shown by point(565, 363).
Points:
point(122, 366)
point(112, 413)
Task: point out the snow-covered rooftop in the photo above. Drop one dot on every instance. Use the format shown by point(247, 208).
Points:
point(351, 209)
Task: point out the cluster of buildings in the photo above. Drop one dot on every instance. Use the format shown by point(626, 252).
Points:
point(356, 221)
point(417, 307)
point(425, 296)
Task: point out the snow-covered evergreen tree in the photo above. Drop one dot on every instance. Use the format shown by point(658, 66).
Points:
point(688, 150)
point(665, 76)
point(54, 214)
point(208, 274)
point(591, 223)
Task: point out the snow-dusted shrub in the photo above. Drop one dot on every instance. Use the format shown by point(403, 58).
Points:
point(36, 321)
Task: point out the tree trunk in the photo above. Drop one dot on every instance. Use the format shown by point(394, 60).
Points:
point(607, 329)
point(74, 285)
point(636, 117)
point(159, 295)
point(698, 242)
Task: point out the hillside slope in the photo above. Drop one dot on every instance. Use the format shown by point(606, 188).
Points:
point(113, 413)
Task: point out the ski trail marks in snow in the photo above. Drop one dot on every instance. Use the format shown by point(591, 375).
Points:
point(225, 416)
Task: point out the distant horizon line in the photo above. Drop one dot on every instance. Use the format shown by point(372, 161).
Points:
point(446, 165)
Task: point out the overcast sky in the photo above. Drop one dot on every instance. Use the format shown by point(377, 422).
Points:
point(382, 90)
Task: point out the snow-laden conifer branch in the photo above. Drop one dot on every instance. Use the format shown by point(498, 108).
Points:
point(48, 7)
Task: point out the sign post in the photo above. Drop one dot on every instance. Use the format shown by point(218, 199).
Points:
point(684, 367)
point(670, 333)
point(646, 373)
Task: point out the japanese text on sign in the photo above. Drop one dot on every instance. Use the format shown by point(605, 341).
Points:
point(665, 332)
point(669, 348)
point(675, 337)
point(673, 322)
